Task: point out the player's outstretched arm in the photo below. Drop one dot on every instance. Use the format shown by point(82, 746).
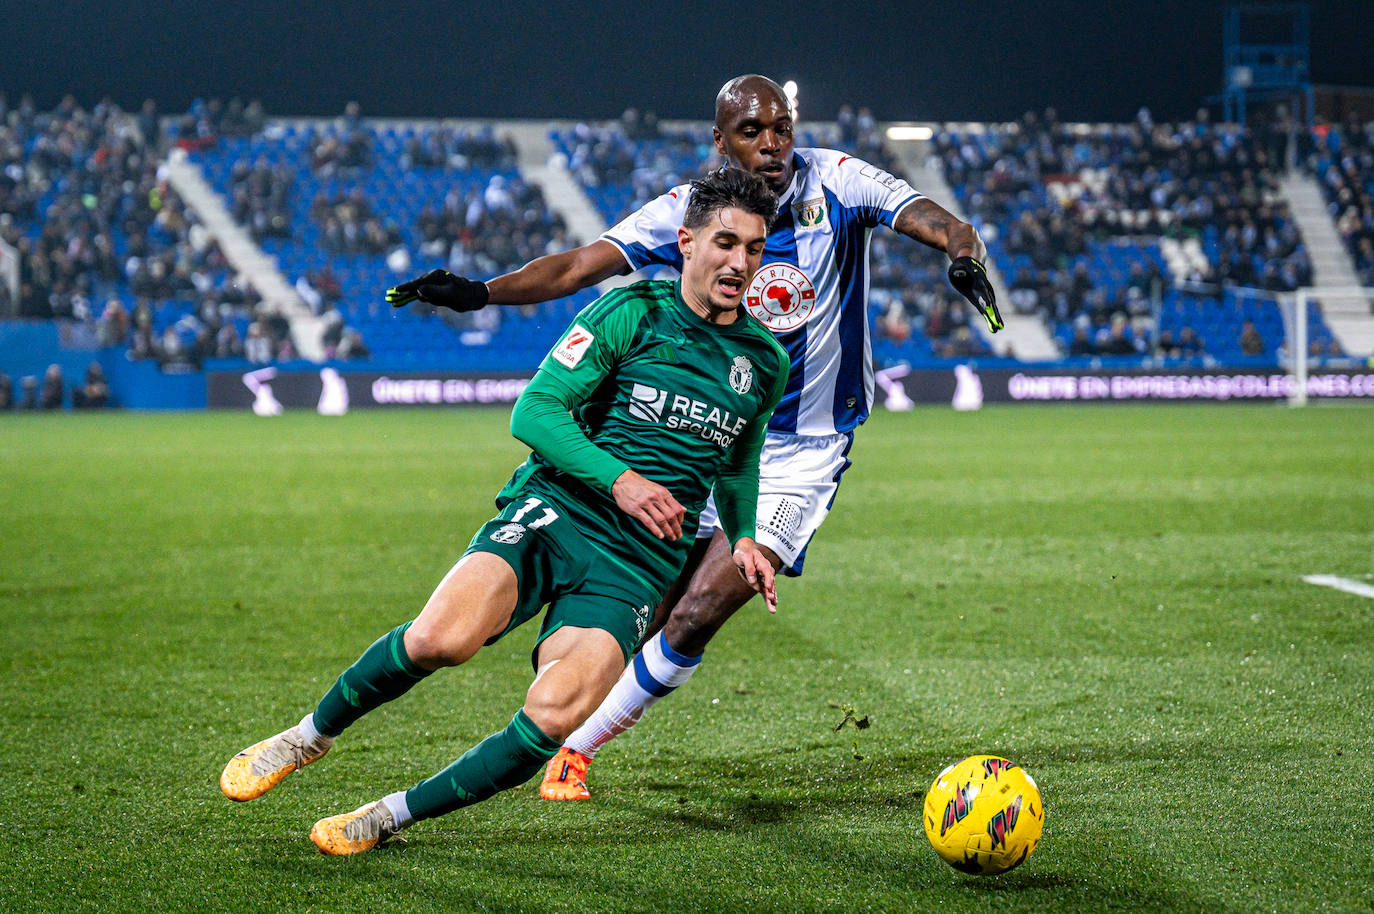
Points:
point(542, 279)
point(757, 571)
point(650, 504)
point(930, 223)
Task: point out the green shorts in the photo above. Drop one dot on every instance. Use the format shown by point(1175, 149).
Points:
point(555, 565)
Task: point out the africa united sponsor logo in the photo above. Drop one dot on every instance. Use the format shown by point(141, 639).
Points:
point(741, 375)
point(958, 807)
point(810, 213)
point(1004, 823)
point(646, 403)
point(509, 535)
point(993, 767)
point(781, 297)
point(573, 346)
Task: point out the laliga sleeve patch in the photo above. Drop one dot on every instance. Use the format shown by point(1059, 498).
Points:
point(573, 346)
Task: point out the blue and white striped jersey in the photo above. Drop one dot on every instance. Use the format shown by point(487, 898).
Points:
point(812, 289)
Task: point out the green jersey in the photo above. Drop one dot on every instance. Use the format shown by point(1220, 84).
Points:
point(652, 387)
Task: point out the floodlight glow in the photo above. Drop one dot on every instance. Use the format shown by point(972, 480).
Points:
point(909, 132)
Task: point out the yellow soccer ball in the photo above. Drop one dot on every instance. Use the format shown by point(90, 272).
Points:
point(984, 815)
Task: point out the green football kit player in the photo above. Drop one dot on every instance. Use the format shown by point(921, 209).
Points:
point(658, 394)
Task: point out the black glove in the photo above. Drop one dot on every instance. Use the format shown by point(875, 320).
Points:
point(970, 280)
point(441, 289)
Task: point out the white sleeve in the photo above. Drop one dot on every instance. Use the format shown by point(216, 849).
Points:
point(873, 194)
point(648, 236)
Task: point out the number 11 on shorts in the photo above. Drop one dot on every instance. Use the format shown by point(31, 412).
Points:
point(548, 517)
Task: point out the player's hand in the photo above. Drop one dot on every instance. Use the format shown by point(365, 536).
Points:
point(650, 504)
point(970, 280)
point(757, 571)
point(441, 289)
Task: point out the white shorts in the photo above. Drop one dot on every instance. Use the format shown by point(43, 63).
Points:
point(798, 478)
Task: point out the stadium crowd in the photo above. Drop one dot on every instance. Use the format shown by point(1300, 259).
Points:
point(1057, 193)
point(1342, 159)
point(104, 240)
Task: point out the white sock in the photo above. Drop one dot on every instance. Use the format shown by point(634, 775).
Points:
point(312, 736)
point(654, 672)
point(400, 810)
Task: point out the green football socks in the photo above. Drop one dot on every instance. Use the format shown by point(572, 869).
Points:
point(506, 759)
point(382, 673)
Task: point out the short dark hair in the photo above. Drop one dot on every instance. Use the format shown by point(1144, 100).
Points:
point(725, 187)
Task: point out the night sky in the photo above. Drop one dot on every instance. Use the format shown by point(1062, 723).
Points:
point(1094, 61)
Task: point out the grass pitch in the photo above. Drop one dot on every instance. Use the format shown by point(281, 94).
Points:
point(1111, 597)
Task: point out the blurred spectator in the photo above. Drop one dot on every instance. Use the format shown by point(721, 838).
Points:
point(173, 353)
point(344, 153)
point(6, 392)
point(352, 346)
point(257, 348)
point(1251, 343)
point(261, 198)
point(961, 344)
point(51, 396)
point(894, 325)
point(228, 343)
point(113, 329)
point(28, 398)
point(1117, 339)
point(1166, 347)
point(1190, 345)
point(93, 393)
point(1081, 344)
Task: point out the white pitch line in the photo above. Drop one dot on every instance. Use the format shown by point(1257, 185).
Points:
point(1349, 586)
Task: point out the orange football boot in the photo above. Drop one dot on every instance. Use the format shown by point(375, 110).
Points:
point(264, 765)
point(355, 832)
point(566, 777)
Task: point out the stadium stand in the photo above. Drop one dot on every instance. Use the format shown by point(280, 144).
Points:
point(1342, 159)
point(105, 243)
point(352, 207)
point(1128, 238)
point(1137, 244)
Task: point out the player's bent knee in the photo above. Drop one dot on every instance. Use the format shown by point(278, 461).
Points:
point(433, 646)
point(557, 716)
point(577, 668)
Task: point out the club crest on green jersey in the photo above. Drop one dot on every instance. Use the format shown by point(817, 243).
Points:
point(741, 374)
point(509, 535)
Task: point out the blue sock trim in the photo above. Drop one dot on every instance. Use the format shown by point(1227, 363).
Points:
point(674, 656)
point(647, 682)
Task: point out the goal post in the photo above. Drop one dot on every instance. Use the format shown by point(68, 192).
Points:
point(1346, 311)
point(9, 278)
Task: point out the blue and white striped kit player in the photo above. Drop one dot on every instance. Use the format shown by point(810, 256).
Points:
point(812, 292)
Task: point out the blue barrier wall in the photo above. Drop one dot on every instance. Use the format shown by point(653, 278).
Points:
point(27, 348)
